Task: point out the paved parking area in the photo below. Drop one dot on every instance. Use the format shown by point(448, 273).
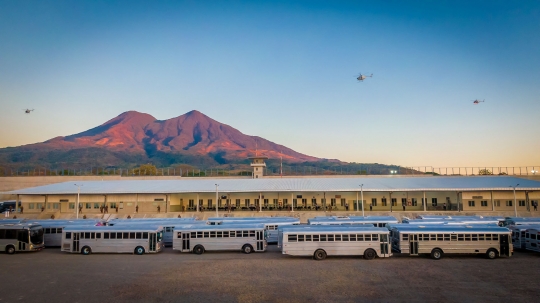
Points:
point(53, 276)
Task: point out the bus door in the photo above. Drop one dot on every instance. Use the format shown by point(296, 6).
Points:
point(185, 241)
point(413, 244)
point(22, 238)
point(505, 247)
point(152, 242)
point(75, 245)
point(260, 240)
point(384, 245)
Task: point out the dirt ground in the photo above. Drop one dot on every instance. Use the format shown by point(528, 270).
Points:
point(170, 276)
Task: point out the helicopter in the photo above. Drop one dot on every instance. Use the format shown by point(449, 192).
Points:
point(477, 101)
point(361, 77)
point(27, 111)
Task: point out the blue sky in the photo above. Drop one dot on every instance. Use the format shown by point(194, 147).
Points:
point(285, 71)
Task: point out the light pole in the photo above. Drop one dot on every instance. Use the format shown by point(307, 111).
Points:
point(515, 205)
point(78, 196)
point(362, 197)
point(217, 215)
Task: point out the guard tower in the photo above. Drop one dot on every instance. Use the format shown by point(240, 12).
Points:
point(258, 166)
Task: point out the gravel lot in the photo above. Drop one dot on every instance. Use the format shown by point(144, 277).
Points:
point(53, 276)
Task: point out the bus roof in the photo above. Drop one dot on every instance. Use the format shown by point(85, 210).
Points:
point(18, 225)
point(452, 221)
point(252, 219)
point(354, 219)
point(333, 228)
point(413, 228)
point(245, 226)
point(121, 228)
point(521, 219)
point(523, 226)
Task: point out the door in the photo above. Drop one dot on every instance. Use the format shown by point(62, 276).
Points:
point(152, 242)
point(505, 245)
point(22, 238)
point(185, 242)
point(260, 240)
point(75, 245)
point(413, 244)
point(384, 246)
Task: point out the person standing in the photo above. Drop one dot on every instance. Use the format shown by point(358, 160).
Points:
point(403, 206)
point(158, 208)
point(116, 208)
point(80, 209)
point(370, 207)
point(22, 208)
point(444, 206)
point(535, 204)
point(137, 209)
point(346, 205)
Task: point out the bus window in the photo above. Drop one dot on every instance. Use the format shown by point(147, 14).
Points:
point(308, 237)
point(474, 237)
point(359, 237)
point(495, 237)
point(86, 235)
point(98, 235)
point(126, 235)
point(225, 234)
point(300, 238)
point(375, 237)
point(113, 235)
point(291, 238)
point(68, 235)
point(467, 237)
point(367, 237)
point(138, 235)
point(315, 237)
point(145, 235)
point(252, 233)
point(405, 237)
point(245, 233)
point(199, 234)
point(159, 236)
point(460, 237)
point(132, 235)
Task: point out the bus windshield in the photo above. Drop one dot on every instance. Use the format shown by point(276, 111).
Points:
point(159, 236)
point(36, 235)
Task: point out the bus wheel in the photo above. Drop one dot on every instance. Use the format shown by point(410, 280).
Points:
point(10, 249)
point(436, 254)
point(369, 254)
point(86, 250)
point(491, 253)
point(319, 255)
point(139, 250)
point(247, 249)
point(198, 249)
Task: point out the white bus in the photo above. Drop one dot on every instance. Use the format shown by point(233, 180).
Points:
point(21, 237)
point(520, 221)
point(112, 239)
point(437, 240)
point(518, 234)
point(322, 241)
point(200, 238)
point(270, 225)
point(377, 221)
point(168, 225)
point(532, 239)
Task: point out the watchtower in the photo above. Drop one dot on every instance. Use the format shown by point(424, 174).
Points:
point(258, 165)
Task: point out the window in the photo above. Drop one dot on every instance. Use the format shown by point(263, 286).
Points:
point(497, 203)
point(285, 202)
point(138, 235)
point(488, 237)
point(145, 236)
point(414, 202)
point(375, 237)
point(474, 237)
point(471, 203)
point(323, 238)
point(460, 237)
point(374, 201)
point(96, 205)
point(292, 238)
point(159, 200)
point(330, 238)
point(300, 238)
point(405, 237)
point(342, 201)
point(509, 203)
point(333, 202)
point(246, 202)
point(275, 201)
point(64, 200)
point(345, 237)
point(383, 201)
point(56, 205)
point(31, 206)
point(209, 203)
point(313, 202)
point(88, 205)
point(265, 201)
point(39, 205)
point(294, 202)
point(359, 237)
point(367, 237)
point(483, 203)
point(304, 202)
point(521, 203)
point(315, 237)
point(191, 203)
point(404, 201)
point(112, 235)
point(433, 201)
point(212, 234)
point(68, 235)
point(237, 202)
point(394, 202)
point(113, 204)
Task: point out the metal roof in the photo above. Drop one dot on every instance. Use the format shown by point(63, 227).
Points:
point(293, 185)
point(448, 228)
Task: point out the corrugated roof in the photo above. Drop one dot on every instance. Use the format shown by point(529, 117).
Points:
point(345, 184)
